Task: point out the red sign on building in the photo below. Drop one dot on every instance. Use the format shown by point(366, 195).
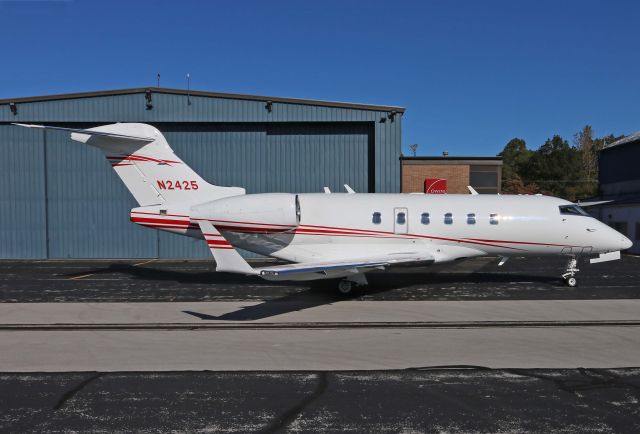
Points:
point(435, 186)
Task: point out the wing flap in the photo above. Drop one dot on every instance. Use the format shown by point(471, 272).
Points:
point(349, 265)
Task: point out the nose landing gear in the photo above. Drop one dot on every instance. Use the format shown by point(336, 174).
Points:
point(570, 272)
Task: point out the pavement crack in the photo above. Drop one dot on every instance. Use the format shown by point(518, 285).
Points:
point(441, 367)
point(70, 393)
point(592, 379)
point(292, 413)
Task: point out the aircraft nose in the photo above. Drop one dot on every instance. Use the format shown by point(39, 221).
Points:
point(626, 243)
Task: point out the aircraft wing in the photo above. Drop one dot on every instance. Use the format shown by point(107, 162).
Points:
point(228, 259)
point(340, 267)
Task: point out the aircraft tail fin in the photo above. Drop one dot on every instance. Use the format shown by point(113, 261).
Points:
point(147, 165)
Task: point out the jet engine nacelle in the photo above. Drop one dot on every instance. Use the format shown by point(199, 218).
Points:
point(262, 213)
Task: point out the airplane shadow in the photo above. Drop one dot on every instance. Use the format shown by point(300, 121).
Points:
point(319, 294)
point(323, 293)
point(151, 273)
point(312, 294)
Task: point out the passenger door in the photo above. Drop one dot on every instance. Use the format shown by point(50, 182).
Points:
point(401, 220)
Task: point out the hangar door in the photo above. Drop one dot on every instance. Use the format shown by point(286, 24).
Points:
point(87, 207)
point(274, 157)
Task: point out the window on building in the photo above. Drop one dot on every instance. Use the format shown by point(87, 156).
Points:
point(471, 219)
point(377, 219)
point(448, 218)
point(424, 219)
point(401, 218)
point(485, 179)
point(494, 219)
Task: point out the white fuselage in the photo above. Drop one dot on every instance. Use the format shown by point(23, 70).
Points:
point(346, 225)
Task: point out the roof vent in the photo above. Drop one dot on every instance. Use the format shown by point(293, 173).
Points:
point(445, 153)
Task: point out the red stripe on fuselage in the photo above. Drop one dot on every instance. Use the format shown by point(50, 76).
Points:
point(161, 221)
point(319, 230)
point(520, 242)
point(156, 214)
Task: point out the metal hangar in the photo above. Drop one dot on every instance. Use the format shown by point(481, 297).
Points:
point(60, 199)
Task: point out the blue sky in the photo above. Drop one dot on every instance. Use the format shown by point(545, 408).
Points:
point(471, 74)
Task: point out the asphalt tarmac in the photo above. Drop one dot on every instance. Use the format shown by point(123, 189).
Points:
point(163, 280)
point(454, 400)
point(245, 355)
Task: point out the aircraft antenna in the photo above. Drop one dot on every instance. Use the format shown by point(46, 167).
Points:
point(413, 148)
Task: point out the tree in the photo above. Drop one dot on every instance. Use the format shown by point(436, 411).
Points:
point(589, 148)
point(514, 155)
point(589, 155)
point(556, 167)
point(514, 185)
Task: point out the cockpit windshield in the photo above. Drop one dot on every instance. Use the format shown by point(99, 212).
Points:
point(573, 210)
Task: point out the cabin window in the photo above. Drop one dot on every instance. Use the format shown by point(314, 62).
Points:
point(448, 218)
point(376, 218)
point(401, 218)
point(471, 219)
point(424, 219)
point(494, 219)
point(573, 210)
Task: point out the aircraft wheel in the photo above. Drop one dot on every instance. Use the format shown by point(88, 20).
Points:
point(571, 281)
point(345, 287)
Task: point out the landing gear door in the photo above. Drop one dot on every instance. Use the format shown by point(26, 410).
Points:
point(401, 220)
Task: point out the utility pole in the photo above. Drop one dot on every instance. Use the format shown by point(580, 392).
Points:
point(188, 89)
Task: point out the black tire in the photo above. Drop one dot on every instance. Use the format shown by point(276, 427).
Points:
point(345, 287)
point(571, 281)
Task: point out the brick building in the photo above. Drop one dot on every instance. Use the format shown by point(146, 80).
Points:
point(484, 174)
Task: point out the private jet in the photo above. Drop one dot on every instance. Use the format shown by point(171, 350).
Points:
point(340, 236)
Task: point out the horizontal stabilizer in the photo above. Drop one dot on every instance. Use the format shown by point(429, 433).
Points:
point(89, 132)
point(142, 158)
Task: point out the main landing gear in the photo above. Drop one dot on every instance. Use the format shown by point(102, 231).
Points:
point(347, 285)
point(570, 272)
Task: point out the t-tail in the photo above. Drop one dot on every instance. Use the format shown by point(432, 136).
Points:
point(147, 165)
point(162, 184)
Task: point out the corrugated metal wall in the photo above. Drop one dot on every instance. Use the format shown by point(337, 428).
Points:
point(60, 199)
point(23, 222)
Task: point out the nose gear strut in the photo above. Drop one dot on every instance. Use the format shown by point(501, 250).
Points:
point(570, 272)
